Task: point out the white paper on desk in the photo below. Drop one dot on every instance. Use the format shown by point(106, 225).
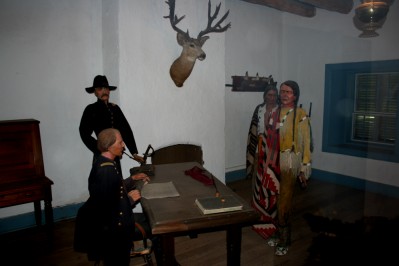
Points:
point(159, 190)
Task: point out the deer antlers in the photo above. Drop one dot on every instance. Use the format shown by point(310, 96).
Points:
point(217, 27)
point(173, 18)
point(192, 47)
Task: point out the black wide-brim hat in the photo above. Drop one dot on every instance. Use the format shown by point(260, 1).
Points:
point(100, 82)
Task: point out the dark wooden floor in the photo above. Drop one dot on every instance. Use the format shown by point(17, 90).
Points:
point(333, 225)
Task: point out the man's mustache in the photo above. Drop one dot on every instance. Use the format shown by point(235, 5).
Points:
point(104, 94)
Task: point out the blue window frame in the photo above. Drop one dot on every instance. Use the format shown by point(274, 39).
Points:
point(361, 132)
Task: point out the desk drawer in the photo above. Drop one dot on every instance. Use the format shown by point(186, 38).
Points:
point(21, 196)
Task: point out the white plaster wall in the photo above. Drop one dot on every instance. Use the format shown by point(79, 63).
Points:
point(298, 48)
point(161, 113)
point(333, 41)
point(110, 43)
point(51, 50)
point(253, 44)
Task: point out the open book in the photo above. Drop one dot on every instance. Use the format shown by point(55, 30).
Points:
point(210, 205)
point(159, 190)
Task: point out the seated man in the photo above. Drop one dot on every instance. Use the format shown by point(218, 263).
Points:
point(105, 223)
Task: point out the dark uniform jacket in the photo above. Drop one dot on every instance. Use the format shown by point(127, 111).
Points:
point(99, 116)
point(105, 223)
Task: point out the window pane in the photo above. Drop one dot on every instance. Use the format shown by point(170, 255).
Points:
point(374, 119)
point(369, 91)
point(363, 127)
point(366, 92)
point(387, 130)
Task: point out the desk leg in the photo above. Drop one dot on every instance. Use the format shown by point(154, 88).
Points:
point(48, 213)
point(38, 213)
point(168, 250)
point(233, 244)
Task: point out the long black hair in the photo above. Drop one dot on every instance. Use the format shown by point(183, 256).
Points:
point(295, 89)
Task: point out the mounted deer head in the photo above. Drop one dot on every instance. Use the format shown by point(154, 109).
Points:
point(192, 48)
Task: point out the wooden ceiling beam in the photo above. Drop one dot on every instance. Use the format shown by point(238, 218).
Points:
point(290, 6)
point(340, 6)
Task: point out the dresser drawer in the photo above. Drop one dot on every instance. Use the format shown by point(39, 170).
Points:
point(21, 196)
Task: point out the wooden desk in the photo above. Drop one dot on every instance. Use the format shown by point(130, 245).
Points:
point(178, 216)
point(22, 177)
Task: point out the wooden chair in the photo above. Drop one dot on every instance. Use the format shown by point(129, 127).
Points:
point(177, 153)
point(142, 246)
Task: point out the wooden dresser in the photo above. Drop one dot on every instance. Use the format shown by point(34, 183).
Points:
point(22, 177)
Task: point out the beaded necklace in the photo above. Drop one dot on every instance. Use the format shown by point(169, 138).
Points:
point(285, 117)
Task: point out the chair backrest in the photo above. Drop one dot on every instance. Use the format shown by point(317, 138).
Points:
point(178, 153)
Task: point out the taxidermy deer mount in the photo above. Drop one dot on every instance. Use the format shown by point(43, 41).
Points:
point(192, 47)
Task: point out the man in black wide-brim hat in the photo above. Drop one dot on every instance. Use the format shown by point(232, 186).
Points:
point(101, 115)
